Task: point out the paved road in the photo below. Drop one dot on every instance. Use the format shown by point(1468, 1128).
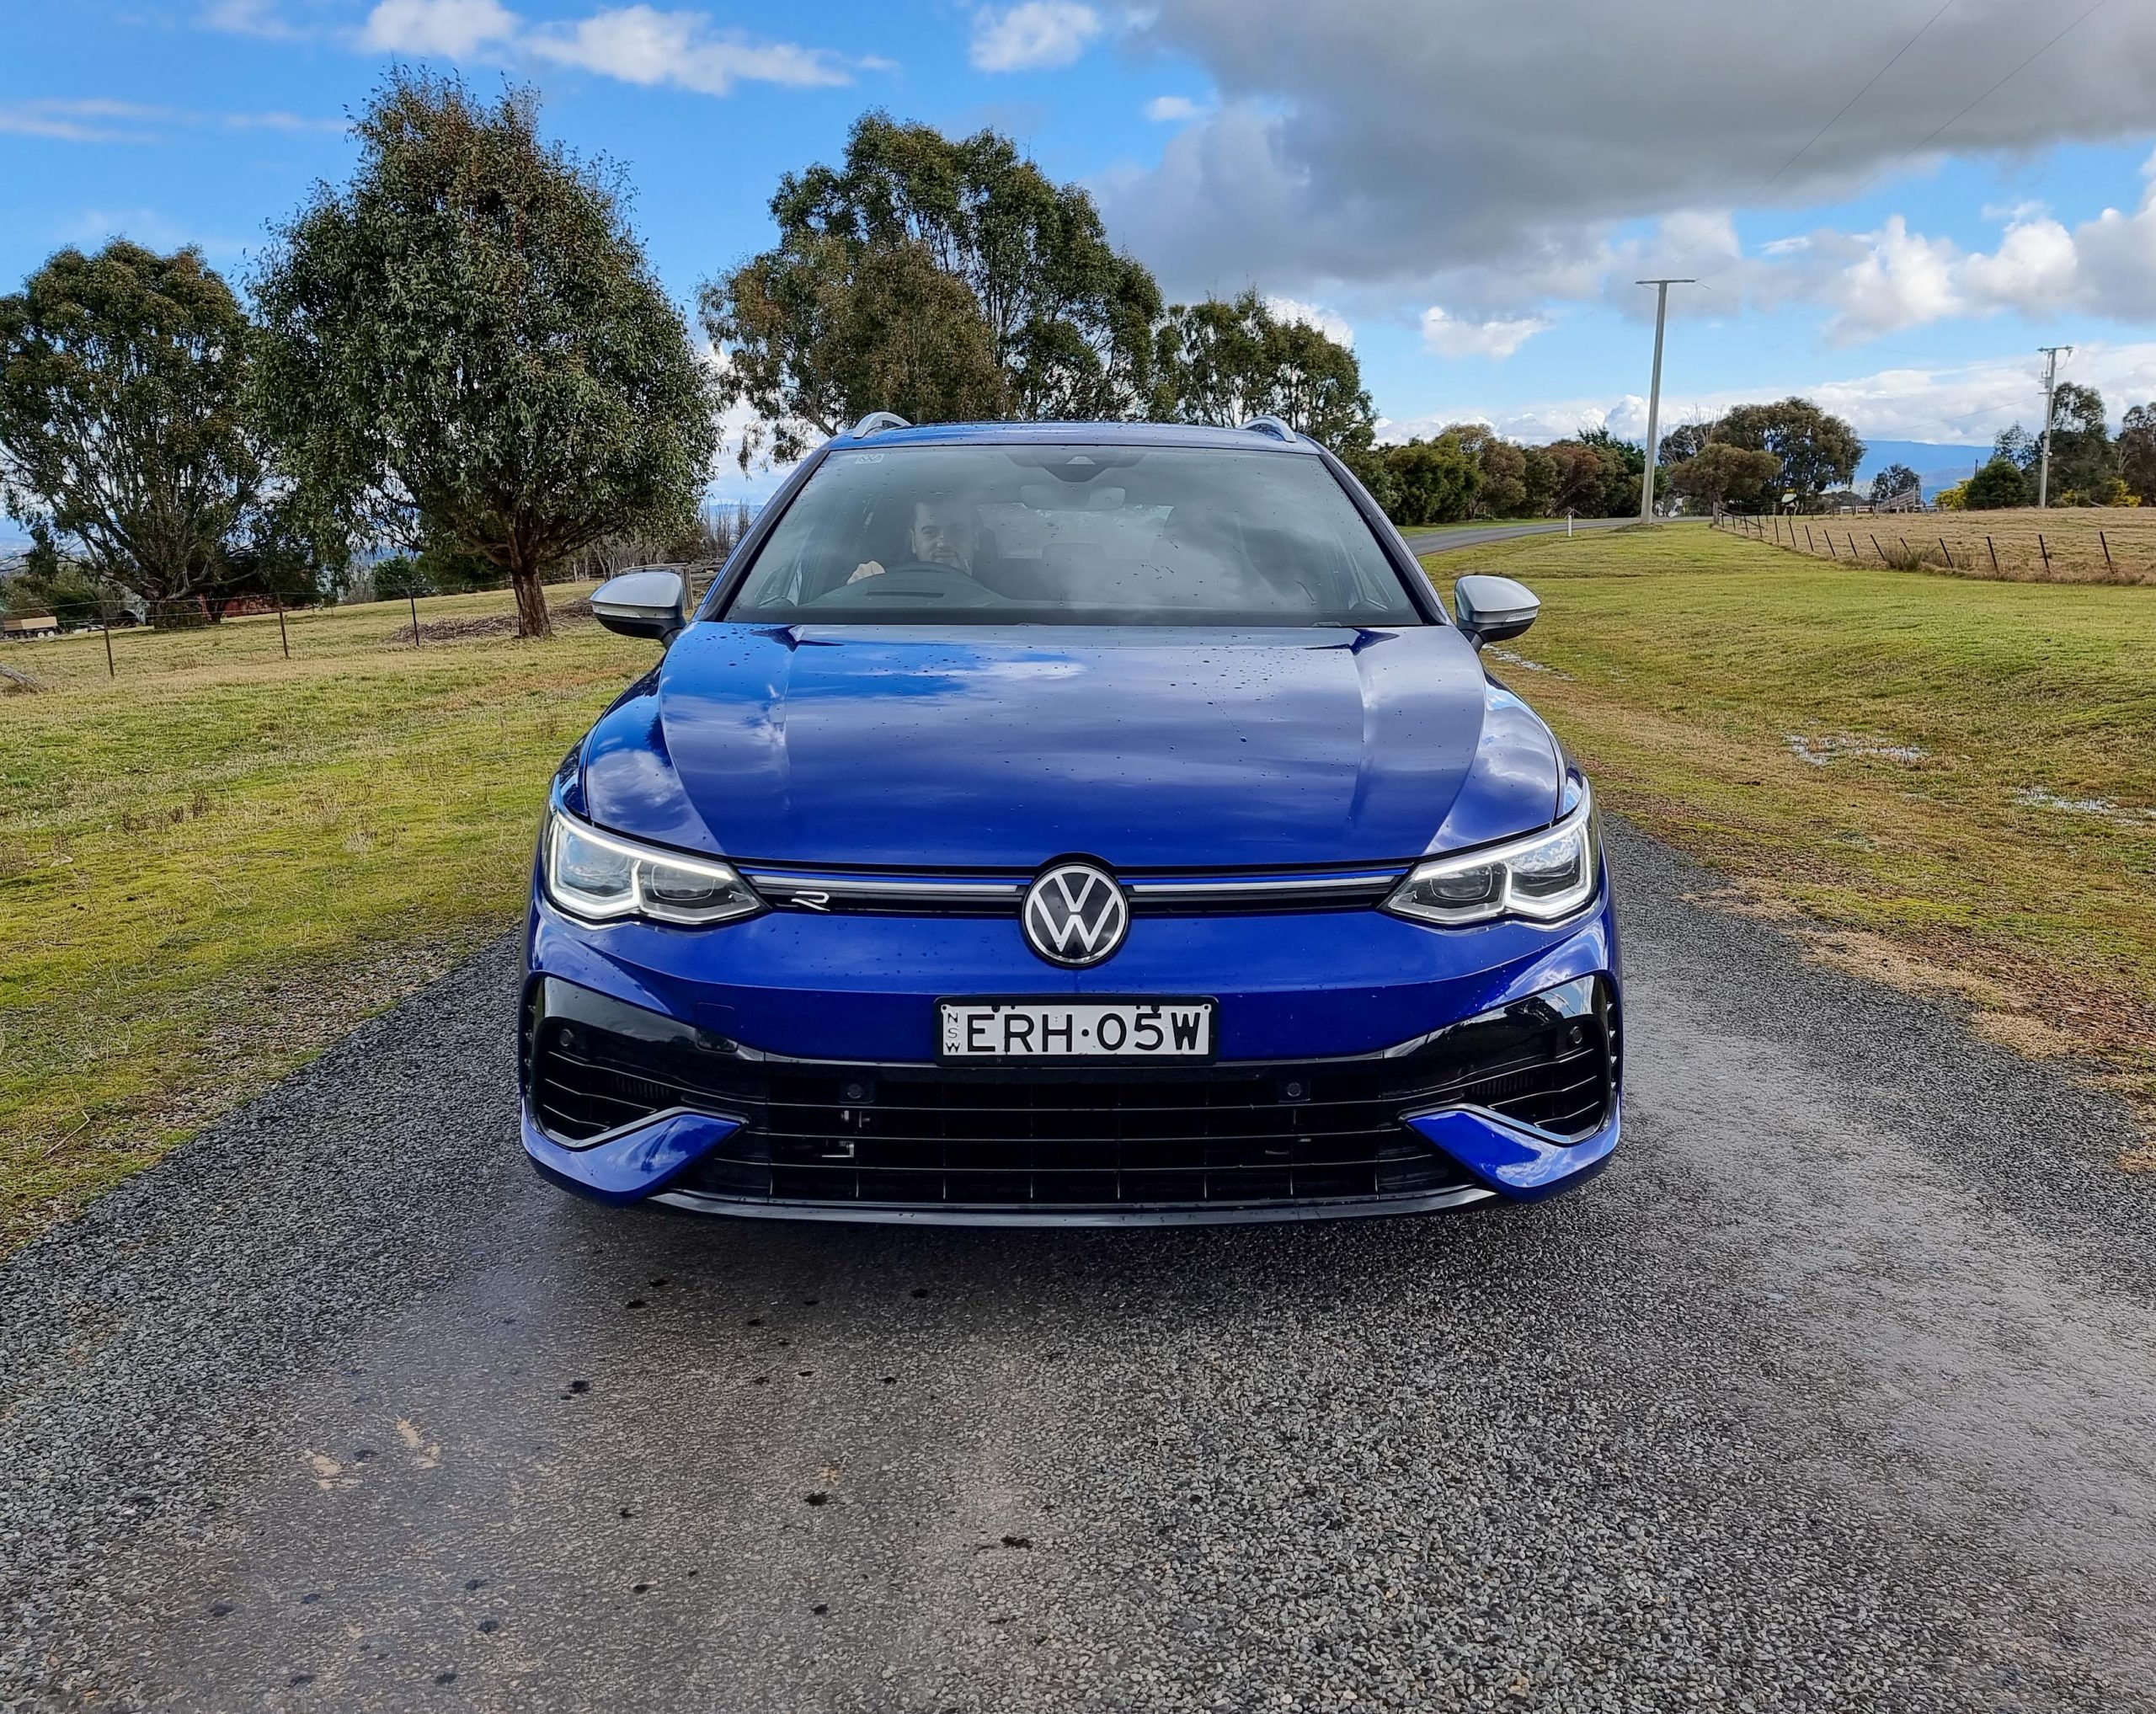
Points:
point(1441, 541)
point(1833, 1394)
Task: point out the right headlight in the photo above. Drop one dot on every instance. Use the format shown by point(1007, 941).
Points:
point(1543, 877)
point(602, 877)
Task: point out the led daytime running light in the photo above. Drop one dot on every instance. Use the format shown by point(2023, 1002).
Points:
point(1543, 877)
point(604, 877)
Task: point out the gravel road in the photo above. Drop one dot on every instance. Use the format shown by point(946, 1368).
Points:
point(1833, 1393)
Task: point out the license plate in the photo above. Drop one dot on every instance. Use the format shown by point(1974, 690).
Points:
point(1077, 1029)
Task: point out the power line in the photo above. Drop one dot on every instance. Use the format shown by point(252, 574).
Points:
point(1768, 182)
point(1986, 96)
point(1855, 98)
point(1879, 173)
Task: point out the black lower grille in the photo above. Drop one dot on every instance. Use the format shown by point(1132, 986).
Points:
point(1172, 1137)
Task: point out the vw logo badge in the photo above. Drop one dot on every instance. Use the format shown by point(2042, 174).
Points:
point(1074, 913)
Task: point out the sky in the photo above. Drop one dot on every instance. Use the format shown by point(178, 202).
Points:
point(1887, 205)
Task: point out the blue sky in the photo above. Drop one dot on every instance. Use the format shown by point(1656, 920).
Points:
point(1468, 187)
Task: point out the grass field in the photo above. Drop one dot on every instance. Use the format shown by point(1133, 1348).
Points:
point(214, 865)
point(2096, 544)
point(1948, 783)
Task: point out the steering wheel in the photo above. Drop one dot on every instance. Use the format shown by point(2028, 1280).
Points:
point(912, 580)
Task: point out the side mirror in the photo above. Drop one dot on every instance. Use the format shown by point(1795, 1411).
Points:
point(649, 603)
point(1491, 609)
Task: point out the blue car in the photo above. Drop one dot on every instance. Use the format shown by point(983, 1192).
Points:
point(1070, 823)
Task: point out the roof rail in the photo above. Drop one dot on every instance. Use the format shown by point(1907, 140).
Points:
point(1271, 426)
point(875, 423)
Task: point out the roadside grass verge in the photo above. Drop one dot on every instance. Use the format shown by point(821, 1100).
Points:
point(215, 866)
point(1950, 784)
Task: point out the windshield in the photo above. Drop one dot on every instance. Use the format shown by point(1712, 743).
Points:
point(1073, 535)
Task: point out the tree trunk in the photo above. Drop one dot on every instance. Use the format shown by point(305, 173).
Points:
point(532, 618)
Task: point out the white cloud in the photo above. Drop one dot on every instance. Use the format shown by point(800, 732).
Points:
point(2033, 268)
point(101, 121)
point(280, 121)
point(2115, 263)
point(1449, 336)
point(90, 121)
point(1172, 109)
point(1353, 144)
point(1034, 35)
point(1896, 279)
point(1880, 282)
point(1329, 321)
point(637, 44)
point(640, 45)
point(455, 29)
point(1868, 284)
point(1953, 404)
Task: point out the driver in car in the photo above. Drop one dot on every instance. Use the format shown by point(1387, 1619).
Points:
point(942, 534)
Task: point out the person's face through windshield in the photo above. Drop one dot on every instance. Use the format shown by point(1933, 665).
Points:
point(943, 534)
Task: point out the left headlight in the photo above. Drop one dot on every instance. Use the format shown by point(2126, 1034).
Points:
point(1543, 877)
point(602, 877)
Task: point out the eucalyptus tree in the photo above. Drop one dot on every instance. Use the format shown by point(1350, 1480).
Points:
point(1226, 360)
point(465, 342)
point(1818, 450)
point(948, 273)
point(820, 329)
point(124, 437)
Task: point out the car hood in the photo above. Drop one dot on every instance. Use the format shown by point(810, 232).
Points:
point(1002, 747)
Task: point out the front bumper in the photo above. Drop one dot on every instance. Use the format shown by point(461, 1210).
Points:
point(785, 1067)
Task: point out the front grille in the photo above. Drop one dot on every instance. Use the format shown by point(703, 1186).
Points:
point(1172, 1137)
point(1149, 895)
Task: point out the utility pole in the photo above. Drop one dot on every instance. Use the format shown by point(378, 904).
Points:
point(2051, 385)
point(1654, 392)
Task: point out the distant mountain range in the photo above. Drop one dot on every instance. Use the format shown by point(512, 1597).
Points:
point(1937, 465)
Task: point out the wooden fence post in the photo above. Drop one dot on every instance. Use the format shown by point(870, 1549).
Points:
point(1876, 548)
point(1948, 551)
point(2045, 551)
point(1994, 551)
point(286, 641)
point(2107, 550)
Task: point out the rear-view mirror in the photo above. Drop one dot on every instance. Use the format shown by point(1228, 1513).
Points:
point(652, 602)
point(1489, 609)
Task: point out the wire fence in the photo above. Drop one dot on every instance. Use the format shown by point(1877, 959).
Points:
point(122, 636)
point(140, 639)
point(2067, 547)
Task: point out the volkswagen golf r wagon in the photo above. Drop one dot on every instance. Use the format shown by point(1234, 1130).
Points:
point(1070, 823)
